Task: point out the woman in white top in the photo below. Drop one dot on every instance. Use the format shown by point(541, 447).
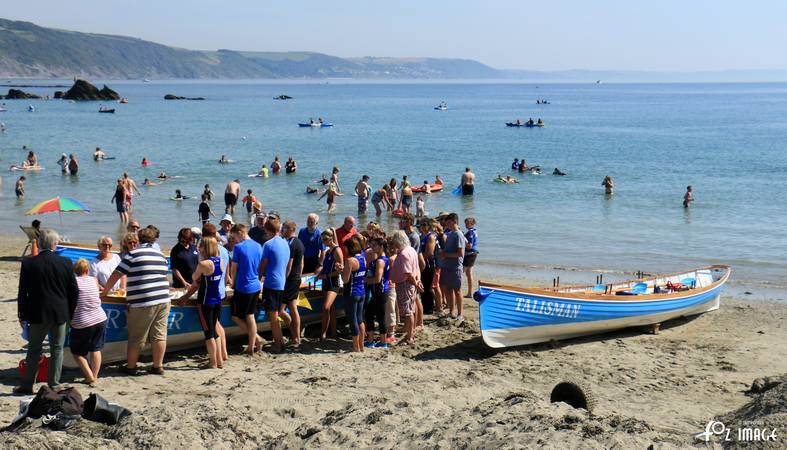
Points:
point(105, 263)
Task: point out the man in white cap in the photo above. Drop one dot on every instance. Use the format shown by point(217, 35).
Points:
point(257, 232)
point(226, 224)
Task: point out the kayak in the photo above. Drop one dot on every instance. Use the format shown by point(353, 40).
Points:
point(315, 125)
point(185, 197)
point(434, 188)
point(526, 125)
point(34, 168)
point(257, 175)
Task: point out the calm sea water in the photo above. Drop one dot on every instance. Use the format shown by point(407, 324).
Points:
point(727, 140)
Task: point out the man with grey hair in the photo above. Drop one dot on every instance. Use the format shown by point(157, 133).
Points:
point(48, 293)
point(312, 243)
point(407, 276)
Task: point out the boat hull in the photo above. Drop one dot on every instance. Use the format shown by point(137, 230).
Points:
point(183, 325)
point(512, 317)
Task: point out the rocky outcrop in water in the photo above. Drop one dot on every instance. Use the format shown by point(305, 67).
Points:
point(16, 94)
point(176, 97)
point(83, 90)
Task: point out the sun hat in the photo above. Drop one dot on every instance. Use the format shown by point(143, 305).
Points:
point(227, 218)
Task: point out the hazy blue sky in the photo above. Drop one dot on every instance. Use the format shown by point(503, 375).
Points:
point(687, 35)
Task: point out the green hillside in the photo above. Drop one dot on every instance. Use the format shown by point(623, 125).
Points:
point(27, 50)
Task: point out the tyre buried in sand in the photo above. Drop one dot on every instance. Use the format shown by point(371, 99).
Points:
point(575, 394)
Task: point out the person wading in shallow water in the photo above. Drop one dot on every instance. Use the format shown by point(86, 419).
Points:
point(468, 182)
point(231, 194)
point(688, 197)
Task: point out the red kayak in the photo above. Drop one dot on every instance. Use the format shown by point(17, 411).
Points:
point(434, 187)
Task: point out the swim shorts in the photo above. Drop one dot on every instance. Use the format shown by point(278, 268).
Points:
point(467, 189)
point(244, 304)
point(469, 260)
point(272, 299)
point(230, 199)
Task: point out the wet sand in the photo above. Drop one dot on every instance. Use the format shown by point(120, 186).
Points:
point(446, 391)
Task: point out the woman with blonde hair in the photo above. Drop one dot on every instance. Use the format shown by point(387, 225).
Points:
point(88, 324)
point(206, 279)
point(332, 267)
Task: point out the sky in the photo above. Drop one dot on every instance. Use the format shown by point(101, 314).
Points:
point(665, 35)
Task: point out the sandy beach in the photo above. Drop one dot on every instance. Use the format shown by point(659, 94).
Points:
point(447, 391)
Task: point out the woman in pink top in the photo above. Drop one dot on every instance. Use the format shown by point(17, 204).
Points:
point(88, 324)
point(407, 276)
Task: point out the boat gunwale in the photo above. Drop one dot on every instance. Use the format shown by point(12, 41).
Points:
point(588, 295)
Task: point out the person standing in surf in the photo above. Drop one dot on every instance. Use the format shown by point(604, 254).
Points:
point(609, 185)
point(231, 194)
point(688, 197)
point(362, 190)
point(468, 182)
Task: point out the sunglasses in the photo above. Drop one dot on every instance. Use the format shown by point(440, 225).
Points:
point(105, 245)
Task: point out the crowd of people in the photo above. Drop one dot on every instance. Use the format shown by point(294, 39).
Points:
point(384, 279)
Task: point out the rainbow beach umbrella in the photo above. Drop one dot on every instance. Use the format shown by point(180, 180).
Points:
point(58, 205)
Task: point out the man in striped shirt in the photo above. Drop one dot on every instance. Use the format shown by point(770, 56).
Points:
point(147, 295)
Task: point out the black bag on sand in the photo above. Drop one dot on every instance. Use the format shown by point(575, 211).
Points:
point(50, 402)
point(57, 410)
point(98, 409)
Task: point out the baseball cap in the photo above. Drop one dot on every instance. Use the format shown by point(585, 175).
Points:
point(228, 218)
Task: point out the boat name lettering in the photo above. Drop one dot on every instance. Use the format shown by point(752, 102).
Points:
point(174, 321)
point(547, 308)
point(112, 316)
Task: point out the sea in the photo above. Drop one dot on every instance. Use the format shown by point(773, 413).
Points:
point(728, 141)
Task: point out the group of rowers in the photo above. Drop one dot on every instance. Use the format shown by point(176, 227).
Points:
point(530, 122)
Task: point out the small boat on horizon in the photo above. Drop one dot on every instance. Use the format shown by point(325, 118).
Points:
point(106, 110)
point(512, 316)
point(441, 107)
point(123, 101)
point(315, 125)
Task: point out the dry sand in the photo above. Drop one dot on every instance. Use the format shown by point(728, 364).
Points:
point(447, 391)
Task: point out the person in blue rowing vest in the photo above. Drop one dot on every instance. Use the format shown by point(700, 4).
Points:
point(275, 265)
point(353, 275)
point(207, 279)
point(471, 251)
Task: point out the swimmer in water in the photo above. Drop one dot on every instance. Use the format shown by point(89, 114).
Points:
point(223, 159)
point(688, 197)
point(510, 180)
point(163, 176)
point(310, 190)
point(149, 183)
point(557, 171)
point(609, 185)
point(438, 180)
point(179, 195)
point(99, 154)
point(426, 187)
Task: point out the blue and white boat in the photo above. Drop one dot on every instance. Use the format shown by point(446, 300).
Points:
point(513, 316)
point(183, 324)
